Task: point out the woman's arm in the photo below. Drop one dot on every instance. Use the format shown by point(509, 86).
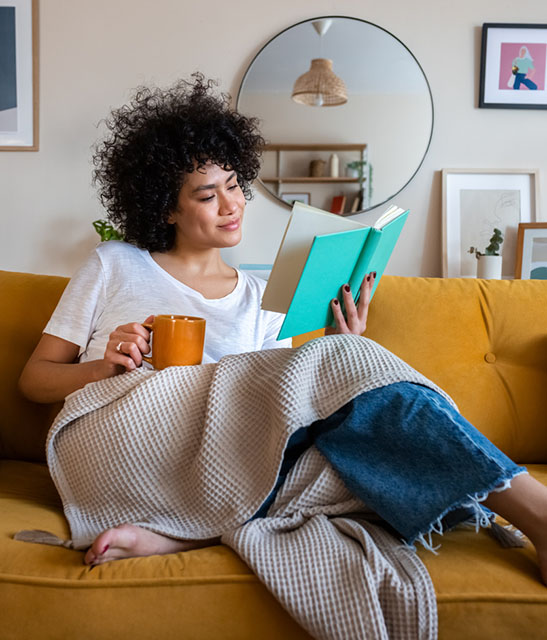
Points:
point(53, 372)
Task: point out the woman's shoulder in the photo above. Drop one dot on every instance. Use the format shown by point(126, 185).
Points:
point(117, 247)
point(251, 281)
point(118, 252)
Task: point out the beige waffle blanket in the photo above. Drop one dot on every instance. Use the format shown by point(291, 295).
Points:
point(192, 453)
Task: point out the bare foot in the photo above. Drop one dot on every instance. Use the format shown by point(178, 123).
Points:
point(129, 541)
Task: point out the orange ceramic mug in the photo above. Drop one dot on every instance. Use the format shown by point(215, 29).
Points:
point(177, 340)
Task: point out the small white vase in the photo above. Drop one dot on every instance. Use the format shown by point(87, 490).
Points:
point(334, 166)
point(489, 267)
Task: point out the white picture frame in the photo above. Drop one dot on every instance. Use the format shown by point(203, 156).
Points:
point(474, 202)
point(291, 198)
point(19, 81)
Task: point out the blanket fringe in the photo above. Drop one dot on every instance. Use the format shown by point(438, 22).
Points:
point(38, 536)
point(507, 536)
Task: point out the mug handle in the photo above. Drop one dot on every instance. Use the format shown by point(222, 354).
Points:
point(150, 327)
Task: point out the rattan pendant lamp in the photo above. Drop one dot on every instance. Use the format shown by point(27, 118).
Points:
point(320, 86)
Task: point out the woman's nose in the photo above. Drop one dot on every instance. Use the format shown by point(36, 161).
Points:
point(228, 203)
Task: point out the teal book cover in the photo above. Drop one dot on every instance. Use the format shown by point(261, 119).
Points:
point(333, 260)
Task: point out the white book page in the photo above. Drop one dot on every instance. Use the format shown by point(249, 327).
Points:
point(388, 216)
point(304, 224)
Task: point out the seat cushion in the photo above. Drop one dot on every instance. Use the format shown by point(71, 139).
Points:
point(483, 591)
point(48, 593)
point(486, 591)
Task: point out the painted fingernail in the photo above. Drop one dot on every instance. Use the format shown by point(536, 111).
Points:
point(335, 302)
point(368, 278)
point(374, 274)
point(107, 547)
point(346, 288)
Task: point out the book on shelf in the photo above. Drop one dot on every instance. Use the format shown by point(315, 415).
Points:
point(355, 204)
point(338, 205)
point(319, 253)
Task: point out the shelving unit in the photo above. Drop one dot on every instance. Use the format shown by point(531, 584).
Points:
point(312, 149)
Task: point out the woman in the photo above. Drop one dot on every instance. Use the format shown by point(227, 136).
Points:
point(174, 176)
point(524, 69)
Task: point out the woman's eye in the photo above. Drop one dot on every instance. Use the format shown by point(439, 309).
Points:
point(232, 187)
point(206, 199)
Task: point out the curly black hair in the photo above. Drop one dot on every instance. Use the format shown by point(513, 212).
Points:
point(156, 139)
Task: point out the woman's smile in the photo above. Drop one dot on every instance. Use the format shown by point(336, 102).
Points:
point(232, 225)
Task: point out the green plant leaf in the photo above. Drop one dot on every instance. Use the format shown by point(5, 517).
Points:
point(106, 231)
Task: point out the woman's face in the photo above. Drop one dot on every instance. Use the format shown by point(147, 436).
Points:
point(209, 211)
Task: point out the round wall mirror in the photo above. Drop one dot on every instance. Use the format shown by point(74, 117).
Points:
point(346, 110)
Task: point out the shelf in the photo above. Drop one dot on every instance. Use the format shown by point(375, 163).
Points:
point(314, 147)
point(308, 179)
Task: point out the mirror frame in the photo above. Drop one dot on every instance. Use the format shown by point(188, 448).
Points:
point(296, 24)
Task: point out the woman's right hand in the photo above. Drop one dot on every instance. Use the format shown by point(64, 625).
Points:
point(127, 344)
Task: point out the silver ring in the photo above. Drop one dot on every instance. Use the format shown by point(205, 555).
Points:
point(119, 347)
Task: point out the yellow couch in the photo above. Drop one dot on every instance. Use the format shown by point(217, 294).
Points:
point(485, 342)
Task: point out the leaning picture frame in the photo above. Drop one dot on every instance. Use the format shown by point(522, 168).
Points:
point(477, 201)
point(291, 198)
point(513, 70)
point(532, 251)
point(18, 75)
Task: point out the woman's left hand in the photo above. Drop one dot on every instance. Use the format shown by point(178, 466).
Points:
point(355, 320)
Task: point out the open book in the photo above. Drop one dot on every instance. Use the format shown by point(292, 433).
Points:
point(319, 253)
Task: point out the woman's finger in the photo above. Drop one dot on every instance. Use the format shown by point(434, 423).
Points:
point(126, 339)
point(118, 357)
point(341, 326)
point(352, 319)
point(364, 297)
point(133, 328)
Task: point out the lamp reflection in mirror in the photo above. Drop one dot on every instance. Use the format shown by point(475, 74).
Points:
point(320, 86)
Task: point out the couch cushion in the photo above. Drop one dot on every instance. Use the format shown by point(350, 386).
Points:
point(483, 591)
point(47, 592)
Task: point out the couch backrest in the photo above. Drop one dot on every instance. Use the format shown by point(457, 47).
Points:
point(26, 303)
point(484, 342)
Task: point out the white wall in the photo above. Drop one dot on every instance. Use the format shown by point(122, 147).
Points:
point(93, 53)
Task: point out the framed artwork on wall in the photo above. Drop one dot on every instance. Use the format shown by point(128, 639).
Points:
point(513, 66)
point(477, 201)
point(532, 251)
point(18, 75)
point(291, 198)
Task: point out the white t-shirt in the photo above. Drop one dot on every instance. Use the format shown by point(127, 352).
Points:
point(120, 283)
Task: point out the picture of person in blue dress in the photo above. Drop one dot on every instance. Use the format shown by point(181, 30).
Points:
point(523, 68)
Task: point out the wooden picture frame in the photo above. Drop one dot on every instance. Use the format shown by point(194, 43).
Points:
point(513, 71)
point(474, 202)
point(19, 90)
point(532, 239)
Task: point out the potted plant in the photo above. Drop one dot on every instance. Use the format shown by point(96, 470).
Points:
point(106, 231)
point(489, 262)
point(356, 169)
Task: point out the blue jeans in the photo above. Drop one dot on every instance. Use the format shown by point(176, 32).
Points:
point(409, 456)
point(520, 78)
